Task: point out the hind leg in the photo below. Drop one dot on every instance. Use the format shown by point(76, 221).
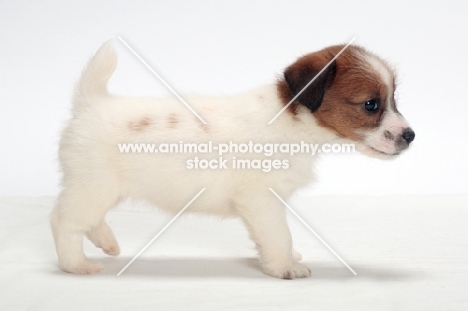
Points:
point(102, 236)
point(78, 210)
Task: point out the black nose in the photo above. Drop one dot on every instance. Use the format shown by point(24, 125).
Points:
point(408, 135)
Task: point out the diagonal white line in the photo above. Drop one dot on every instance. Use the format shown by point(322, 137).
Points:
point(161, 79)
point(313, 231)
point(160, 232)
point(313, 79)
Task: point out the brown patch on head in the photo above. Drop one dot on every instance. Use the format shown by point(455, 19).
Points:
point(172, 120)
point(337, 96)
point(300, 74)
point(139, 126)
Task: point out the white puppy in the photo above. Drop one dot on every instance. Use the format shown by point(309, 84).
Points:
point(352, 100)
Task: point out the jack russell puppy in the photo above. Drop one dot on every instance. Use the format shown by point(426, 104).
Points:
point(352, 101)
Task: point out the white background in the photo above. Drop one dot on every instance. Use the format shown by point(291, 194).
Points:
point(211, 47)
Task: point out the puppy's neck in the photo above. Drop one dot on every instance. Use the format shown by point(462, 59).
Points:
point(298, 123)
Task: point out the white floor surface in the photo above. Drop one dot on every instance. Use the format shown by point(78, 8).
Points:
point(410, 253)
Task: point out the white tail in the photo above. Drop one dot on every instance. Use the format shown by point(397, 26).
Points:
point(93, 81)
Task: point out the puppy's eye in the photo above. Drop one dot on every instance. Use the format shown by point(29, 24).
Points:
point(372, 105)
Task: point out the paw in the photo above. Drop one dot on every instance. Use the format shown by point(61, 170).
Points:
point(111, 249)
point(85, 266)
point(297, 256)
point(288, 272)
point(102, 237)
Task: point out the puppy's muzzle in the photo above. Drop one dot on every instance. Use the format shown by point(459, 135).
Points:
point(408, 135)
point(404, 140)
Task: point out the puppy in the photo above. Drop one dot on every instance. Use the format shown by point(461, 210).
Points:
point(352, 100)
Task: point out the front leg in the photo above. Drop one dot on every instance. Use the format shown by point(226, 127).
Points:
point(265, 219)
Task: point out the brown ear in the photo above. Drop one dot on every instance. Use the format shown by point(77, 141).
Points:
point(306, 68)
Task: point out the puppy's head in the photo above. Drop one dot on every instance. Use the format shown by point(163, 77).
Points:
point(353, 97)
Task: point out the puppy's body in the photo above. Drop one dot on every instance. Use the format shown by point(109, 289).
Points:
point(96, 175)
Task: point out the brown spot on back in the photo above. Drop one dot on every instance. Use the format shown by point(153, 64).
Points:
point(211, 109)
point(172, 120)
point(140, 125)
point(204, 127)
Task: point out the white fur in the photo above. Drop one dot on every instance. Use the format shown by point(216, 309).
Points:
point(378, 66)
point(96, 176)
point(393, 123)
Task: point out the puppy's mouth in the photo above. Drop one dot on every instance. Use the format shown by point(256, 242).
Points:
point(383, 152)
